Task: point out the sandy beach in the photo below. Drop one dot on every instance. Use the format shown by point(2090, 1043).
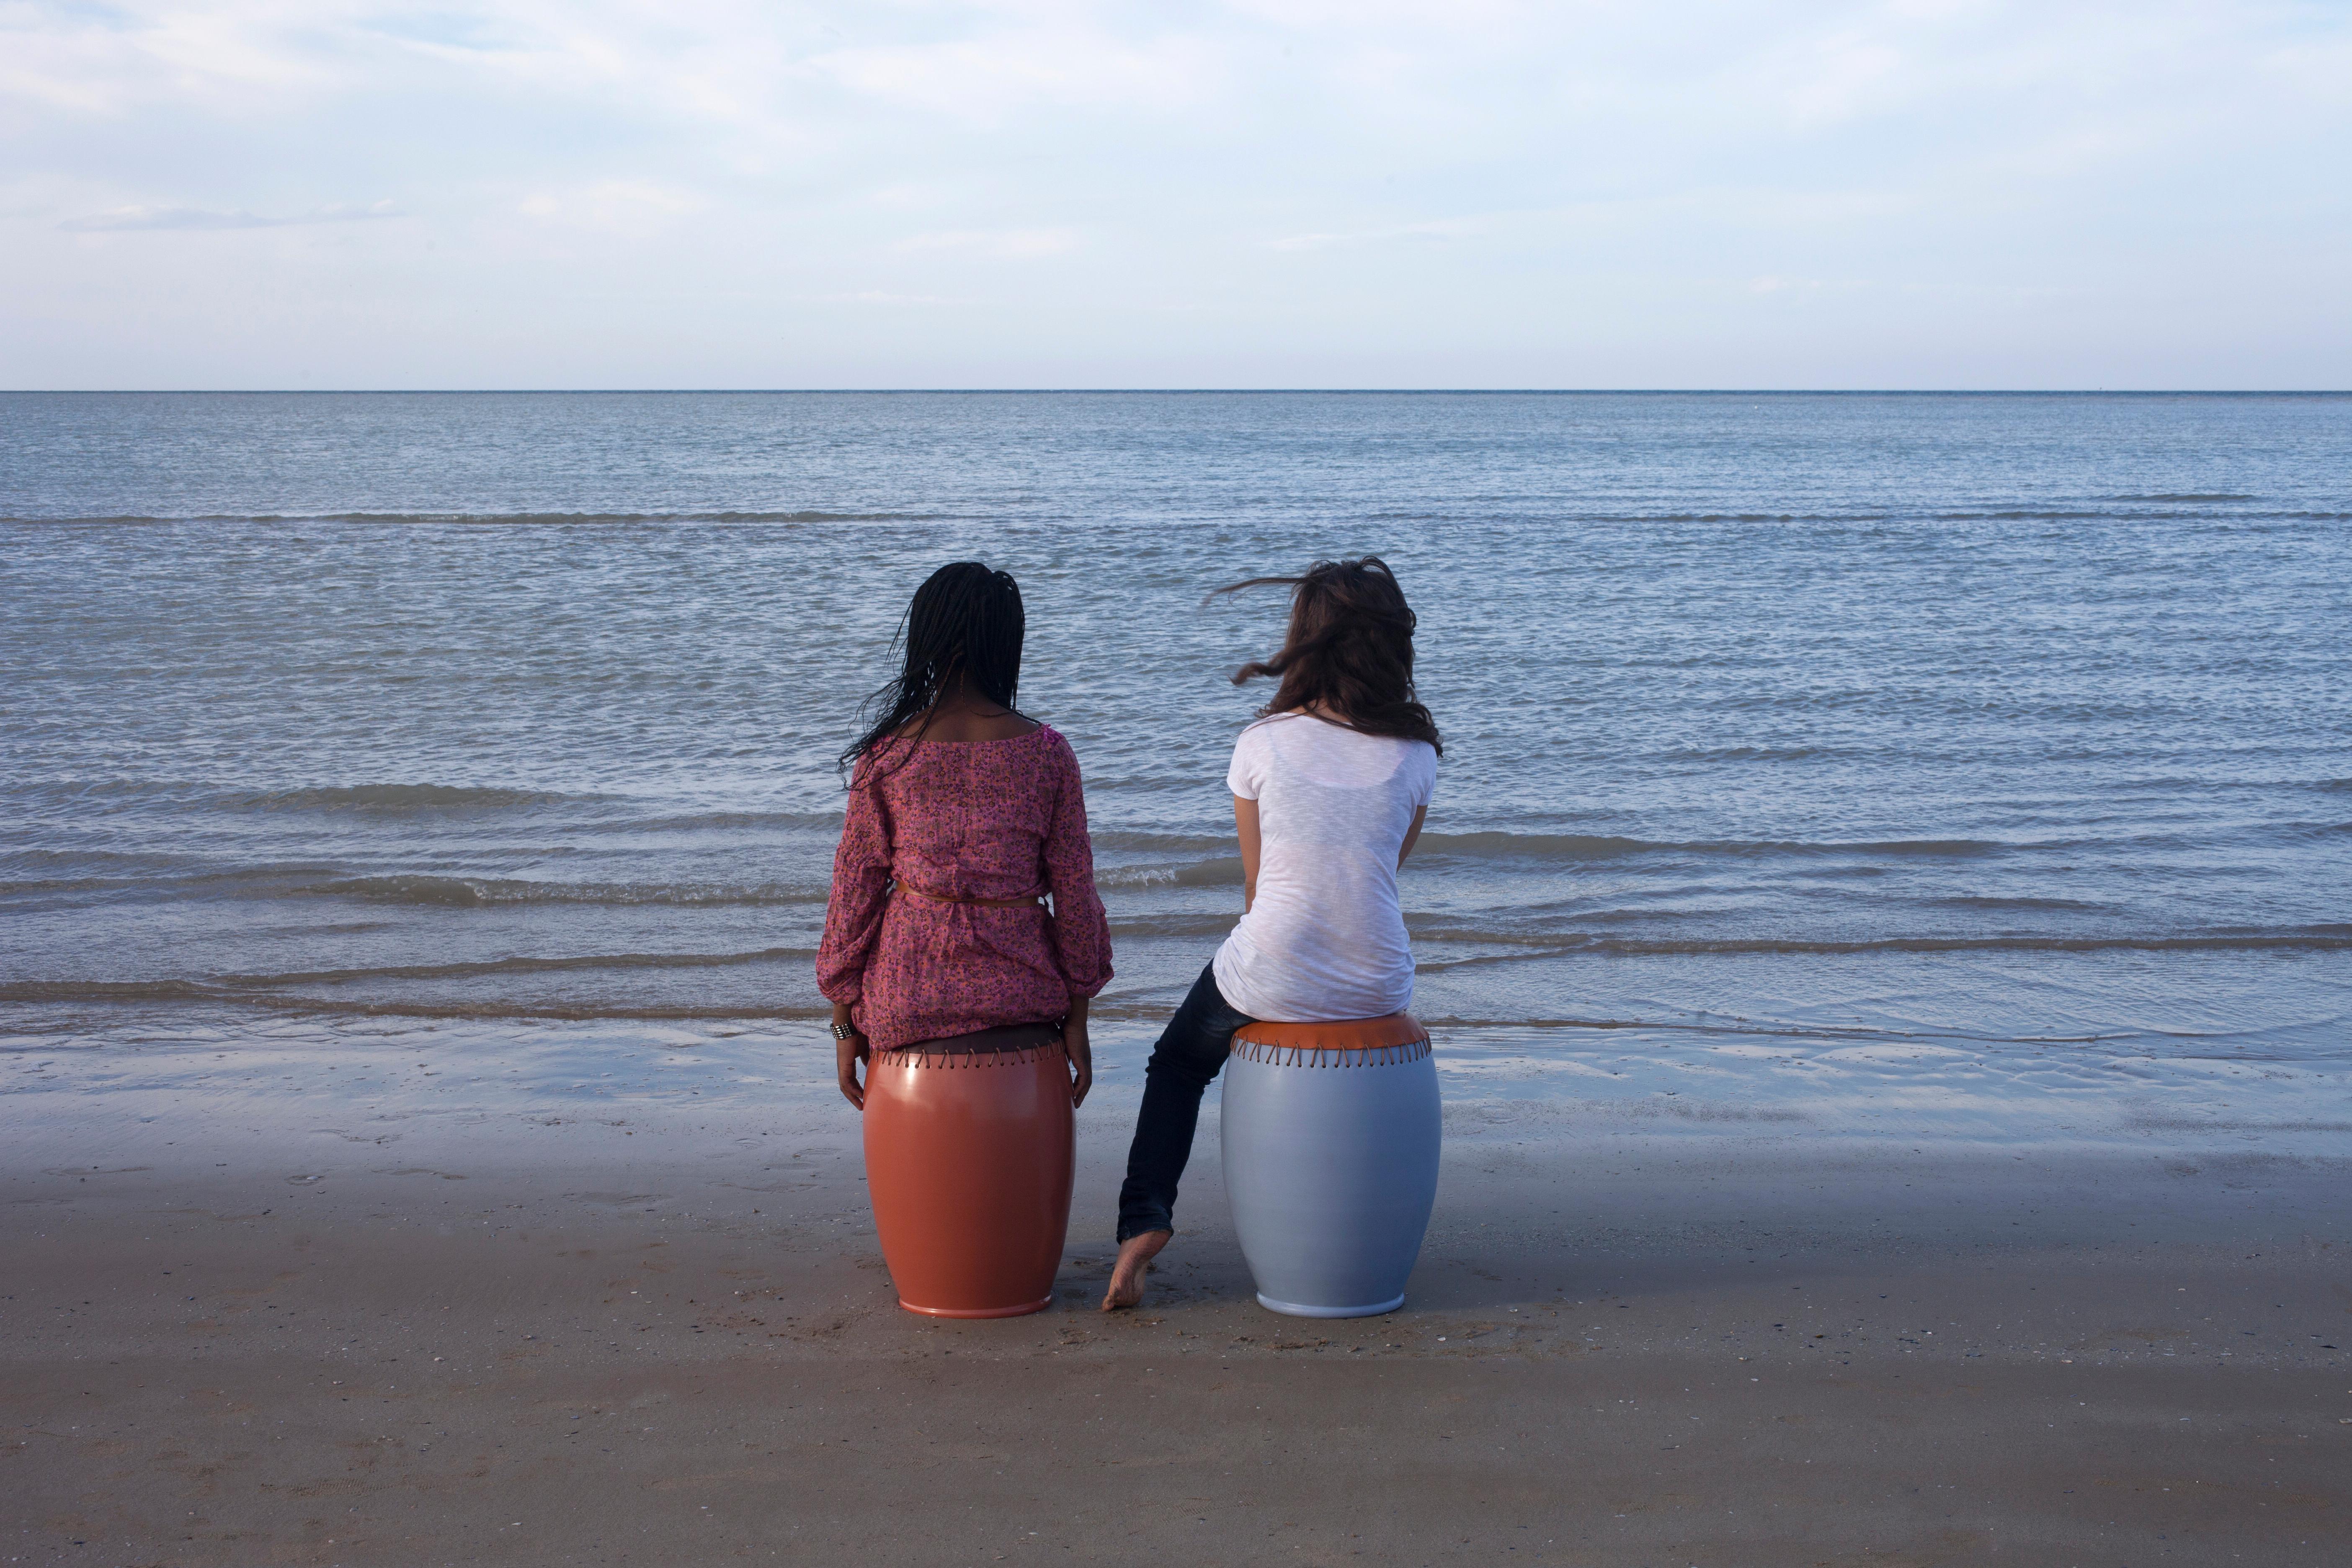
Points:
point(432, 1323)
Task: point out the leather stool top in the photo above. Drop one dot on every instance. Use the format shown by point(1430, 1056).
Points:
point(1352, 1042)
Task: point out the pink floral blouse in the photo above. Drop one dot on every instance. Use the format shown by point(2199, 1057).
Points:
point(980, 819)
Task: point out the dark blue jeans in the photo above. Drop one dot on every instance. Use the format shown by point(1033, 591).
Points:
point(1190, 1051)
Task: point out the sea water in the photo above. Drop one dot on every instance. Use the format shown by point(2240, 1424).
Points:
point(1924, 745)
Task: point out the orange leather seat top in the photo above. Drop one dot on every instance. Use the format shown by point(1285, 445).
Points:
point(1352, 1034)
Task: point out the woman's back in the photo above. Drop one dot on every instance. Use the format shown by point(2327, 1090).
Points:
point(1324, 938)
point(933, 928)
point(970, 819)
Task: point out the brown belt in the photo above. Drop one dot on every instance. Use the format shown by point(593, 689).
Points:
point(1029, 900)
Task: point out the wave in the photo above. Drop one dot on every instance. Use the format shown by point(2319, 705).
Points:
point(470, 892)
point(519, 965)
point(1221, 865)
point(599, 811)
point(1932, 514)
point(375, 799)
point(2185, 496)
point(1112, 1010)
point(197, 992)
point(1224, 870)
point(717, 821)
point(423, 890)
point(402, 799)
point(1605, 847)
point(1204, 924)
point(2321, 939)
point(1686, 1024)
point(510, 518)
point(1748, 753)
point(1925, 514)
point(298, 991)
point(169, 877)
point(1114, 839)
point(279, 990)
point(2098, 509)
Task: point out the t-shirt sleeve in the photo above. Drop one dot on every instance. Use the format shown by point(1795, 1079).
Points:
point(1425, 774)
point(1246, 777)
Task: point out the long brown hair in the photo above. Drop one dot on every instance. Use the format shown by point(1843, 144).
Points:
point(1349, 650)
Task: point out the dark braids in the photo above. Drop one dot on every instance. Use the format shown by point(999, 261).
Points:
point(1349, 650)
point(965, 620)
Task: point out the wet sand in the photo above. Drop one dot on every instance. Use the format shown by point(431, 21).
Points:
point(665, 1336)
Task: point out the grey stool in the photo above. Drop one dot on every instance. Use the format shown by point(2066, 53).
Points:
point(1331, 1135)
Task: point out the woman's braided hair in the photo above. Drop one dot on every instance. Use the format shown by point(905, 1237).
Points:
point(965, 619)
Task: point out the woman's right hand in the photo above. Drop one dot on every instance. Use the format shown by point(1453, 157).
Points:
point(847, 1055)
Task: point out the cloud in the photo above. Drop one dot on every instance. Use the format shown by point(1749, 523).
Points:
point(635, 210)
point(883, 296)
point(199, 218)
point(607, 199)
point(1078, 64)
point(998, 243)
point(1436, 228)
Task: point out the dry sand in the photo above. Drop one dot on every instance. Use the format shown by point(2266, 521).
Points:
point(666, 1337)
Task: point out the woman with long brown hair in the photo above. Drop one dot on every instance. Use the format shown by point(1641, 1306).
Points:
point(1330, 784)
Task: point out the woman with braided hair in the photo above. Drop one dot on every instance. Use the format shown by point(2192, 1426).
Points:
point(952, 980)
point(1331, 785)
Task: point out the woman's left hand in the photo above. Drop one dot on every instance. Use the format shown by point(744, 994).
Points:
point(1081, 1052)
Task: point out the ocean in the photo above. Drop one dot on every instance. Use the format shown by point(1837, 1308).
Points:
point(1980, 760)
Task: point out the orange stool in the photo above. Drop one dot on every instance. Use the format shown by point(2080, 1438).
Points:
point(968, 1162)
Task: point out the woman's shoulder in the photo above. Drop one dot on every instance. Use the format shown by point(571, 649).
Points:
point(878, 761)
point(1261, 730)
point(1314, 729)
point(1053, 750)
point(961, 729)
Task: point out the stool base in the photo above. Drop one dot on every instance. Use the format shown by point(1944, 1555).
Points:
point(1330, 1133)
point(1021, 1311)
point(1292, 1309)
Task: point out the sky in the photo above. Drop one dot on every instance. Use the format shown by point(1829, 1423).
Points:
point(1966, 193)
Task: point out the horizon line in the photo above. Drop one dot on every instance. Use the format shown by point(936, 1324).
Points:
point(1175, 391)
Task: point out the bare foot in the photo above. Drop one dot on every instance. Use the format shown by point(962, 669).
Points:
point(1134, 1255)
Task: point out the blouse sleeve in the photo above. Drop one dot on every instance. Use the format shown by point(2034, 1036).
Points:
point(861, 890)
point(1081, 928)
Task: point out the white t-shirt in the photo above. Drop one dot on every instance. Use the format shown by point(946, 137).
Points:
point(1324, 939)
